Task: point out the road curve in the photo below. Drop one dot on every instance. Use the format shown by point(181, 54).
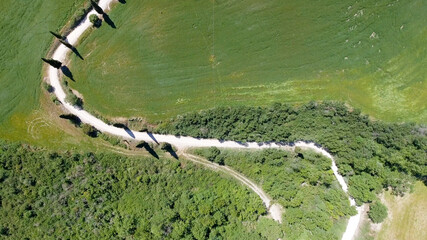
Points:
point(61, 53)
point(275, 210)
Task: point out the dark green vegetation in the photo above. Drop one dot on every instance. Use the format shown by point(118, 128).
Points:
point(372, 154)
point(171, 57)
point(51, 195)
point(303, 183)
point(213, 154)
point(377, 212)
point(52, 62)
point(409, 218)
point(94, 19)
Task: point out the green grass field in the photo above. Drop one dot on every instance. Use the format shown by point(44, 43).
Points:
point(407, 219)
point(167, 58)
point(25, 38)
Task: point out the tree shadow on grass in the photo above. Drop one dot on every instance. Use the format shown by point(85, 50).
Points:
point(147, 147)
point(173, 154)
point(71, 47)
point(128, 131)
point(66, 71)
point(108, 20)
point(122, 1)
point(75, 51)
point(72, 118)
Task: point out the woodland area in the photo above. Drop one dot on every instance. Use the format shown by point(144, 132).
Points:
point(302, 182)
point(372, 155)
point(51, 195)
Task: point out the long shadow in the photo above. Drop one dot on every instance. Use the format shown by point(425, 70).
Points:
point(122, 1)
point(173, 154)
point(68, 45)
point(75, 51)
point(108, 20)
point(152, 137)
point(66, 71)
point(119, 125)
point(242, 143)
point(129, 132)
point(150, 150)
point(72, 118)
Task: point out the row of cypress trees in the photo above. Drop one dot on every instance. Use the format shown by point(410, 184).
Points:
point(62, 39)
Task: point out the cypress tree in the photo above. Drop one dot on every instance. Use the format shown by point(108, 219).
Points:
point(57, 35)
point(97, 8)
point(52, 62)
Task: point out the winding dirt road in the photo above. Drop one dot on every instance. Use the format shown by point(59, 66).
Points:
point(183, 143)
point(275, 210)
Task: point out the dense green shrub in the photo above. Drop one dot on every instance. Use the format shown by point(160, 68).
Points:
point(72, 99)
point(213, 155)
point(54, 99)
point(94, 19)
point(47, 87)
point(89, 130)
point(166, 146)
point(390, 154)
point(71, 195)
point(377, 212)
point(302, 183)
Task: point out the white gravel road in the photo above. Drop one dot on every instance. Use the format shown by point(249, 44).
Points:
point(182, 143)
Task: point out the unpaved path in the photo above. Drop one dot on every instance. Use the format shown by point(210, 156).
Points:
point(275, 210)
point(182, 143)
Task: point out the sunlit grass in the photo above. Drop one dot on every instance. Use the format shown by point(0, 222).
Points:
point(166, 59)
point(407, 218)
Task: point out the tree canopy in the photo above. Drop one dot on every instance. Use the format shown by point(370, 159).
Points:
point(69, 195)
point(371, 154)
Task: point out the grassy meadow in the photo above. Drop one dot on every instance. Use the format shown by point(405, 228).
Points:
point(407, 219)
point(25, 38)
point(170, 57)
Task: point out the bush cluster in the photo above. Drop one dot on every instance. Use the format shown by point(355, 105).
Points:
point(54, 195)
point(372, 155)
point(377, 212)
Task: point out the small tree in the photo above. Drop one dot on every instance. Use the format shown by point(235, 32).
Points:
point(52, 62)
point(47, 87)
point(4, 231)
point(89, 130)
point(141, 144)
point(94, 19)
point(220, 160)
point(72, 118)
point(57, 35)
point(299, 152)
point(54, 99)
point(166, 146)
point(213, 155)
point(377, 212)
point(213, 152)
point(73, 100)
point(97, 8)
